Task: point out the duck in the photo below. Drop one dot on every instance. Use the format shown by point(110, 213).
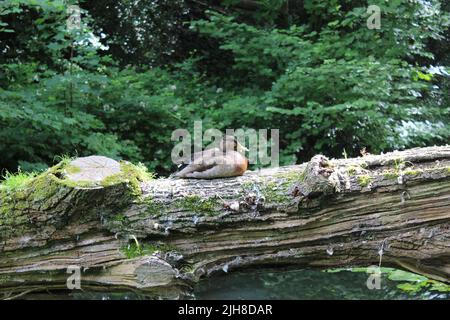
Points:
point(223, 161)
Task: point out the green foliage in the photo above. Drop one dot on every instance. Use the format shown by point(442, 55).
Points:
point(135, 249)
point(364, 180)
point(142, 32)
point(44, 95)
point(315, 71)
point(135, 71)
point(409, 282)
point(16, 181)
point(341, 85)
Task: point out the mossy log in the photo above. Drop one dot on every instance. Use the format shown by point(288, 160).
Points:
point(127, 231)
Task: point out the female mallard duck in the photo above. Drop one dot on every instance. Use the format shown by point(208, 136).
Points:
point(226, 160)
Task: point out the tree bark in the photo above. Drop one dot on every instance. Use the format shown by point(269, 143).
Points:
point(161, 236)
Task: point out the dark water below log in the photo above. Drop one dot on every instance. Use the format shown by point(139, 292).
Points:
point(296, 284)
point(310, 285)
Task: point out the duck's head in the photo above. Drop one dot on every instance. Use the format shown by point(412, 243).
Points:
point(230, 143)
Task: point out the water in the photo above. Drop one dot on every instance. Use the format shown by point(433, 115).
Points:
point(270, 284)
point(304, 284)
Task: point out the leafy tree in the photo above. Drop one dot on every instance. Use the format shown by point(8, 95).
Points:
point(331, 84)
point(135, 71)
point(47, 81)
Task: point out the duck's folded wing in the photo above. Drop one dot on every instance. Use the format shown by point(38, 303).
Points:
point(200, 161)
point(217, 167)
point(205, 156)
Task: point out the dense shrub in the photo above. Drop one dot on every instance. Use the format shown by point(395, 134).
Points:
point(316, 72)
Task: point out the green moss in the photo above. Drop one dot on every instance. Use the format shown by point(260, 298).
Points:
point(364, 181)
point(154, 209)
point(390, 175)
point(139, 170)
point(352, 170)
point(70, 169)
point(26, 190)
point(291, 177)
point(44, 186)
point(7, 205)
point(135, 249)
point(197, 204)
point(277, 188)
point(276, 192)
point(119, 217)
point(23, 190)
point(16, 181)
point(302, 176)
point(412, 172)
point(131, 174)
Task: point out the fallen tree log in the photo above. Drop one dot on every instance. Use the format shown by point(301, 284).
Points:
point(160, 236)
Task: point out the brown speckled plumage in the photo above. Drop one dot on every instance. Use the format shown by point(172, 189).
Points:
point(220, 162)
